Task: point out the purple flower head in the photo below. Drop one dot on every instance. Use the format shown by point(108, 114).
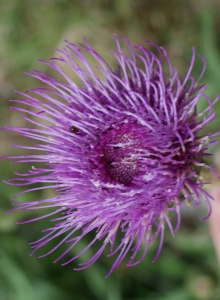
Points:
point(122, 150)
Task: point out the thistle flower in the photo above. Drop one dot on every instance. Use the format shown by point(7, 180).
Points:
point(122, 151)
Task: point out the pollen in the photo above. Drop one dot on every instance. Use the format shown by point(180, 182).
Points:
point(117, 152)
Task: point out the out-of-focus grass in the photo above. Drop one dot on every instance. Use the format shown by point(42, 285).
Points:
point(30, 29)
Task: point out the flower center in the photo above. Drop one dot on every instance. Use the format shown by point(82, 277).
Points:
point(116, 152)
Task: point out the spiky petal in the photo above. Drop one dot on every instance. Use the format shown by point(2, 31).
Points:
point(121, 151)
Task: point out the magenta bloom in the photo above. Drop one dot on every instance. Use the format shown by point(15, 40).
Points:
point(122, 150)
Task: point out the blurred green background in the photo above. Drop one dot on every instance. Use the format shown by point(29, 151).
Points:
point(29, 29)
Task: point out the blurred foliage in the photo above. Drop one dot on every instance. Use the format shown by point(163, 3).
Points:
point(30, 29)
